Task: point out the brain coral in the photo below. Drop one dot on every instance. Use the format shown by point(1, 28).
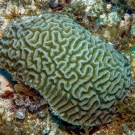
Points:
point(80, 76)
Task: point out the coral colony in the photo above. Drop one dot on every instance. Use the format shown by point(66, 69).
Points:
point(80, 76)
point(71, 64)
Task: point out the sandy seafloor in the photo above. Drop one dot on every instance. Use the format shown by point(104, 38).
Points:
point(104, 19)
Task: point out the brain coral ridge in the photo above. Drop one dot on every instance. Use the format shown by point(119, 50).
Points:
point(81, 76)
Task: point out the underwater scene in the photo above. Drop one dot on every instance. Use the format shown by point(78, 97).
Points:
point(67, 67)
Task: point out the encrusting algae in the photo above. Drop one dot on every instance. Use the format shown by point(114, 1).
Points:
point(113, 22)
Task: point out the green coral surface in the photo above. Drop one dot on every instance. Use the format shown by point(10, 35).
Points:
point(80, 76)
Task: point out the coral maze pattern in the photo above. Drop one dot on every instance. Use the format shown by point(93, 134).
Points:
point(79, 75)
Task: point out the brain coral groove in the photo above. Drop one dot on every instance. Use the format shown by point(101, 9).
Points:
point(80, 76)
